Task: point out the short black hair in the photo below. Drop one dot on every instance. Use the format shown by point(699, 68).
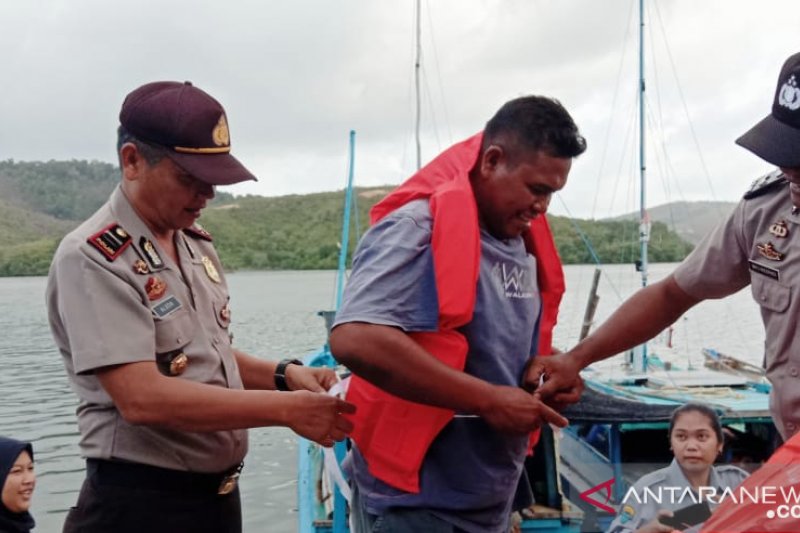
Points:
point(701, 408)
point(151, 153)
point(535, 123)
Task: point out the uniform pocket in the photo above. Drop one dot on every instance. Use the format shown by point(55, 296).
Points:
point(771, 294)
point(175, 331)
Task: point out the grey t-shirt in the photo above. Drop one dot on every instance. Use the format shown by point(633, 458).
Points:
point(470, 473)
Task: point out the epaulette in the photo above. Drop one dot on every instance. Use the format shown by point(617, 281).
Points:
point(111, 241)
point(653, 477)
point(729, 468)
point(764, 184)
point(198, 232)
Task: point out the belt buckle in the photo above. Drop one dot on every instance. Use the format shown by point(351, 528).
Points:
point(228, 483)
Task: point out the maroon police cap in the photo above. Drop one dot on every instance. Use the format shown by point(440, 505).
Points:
point(776, 139)
point(190, 124)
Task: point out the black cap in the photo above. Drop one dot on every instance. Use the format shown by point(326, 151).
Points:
point(776, 139)
point(190, 124)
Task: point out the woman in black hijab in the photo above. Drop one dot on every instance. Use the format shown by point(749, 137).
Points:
point(17, 479)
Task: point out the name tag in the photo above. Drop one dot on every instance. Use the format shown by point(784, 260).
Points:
point(166, 307)
point(765, 270)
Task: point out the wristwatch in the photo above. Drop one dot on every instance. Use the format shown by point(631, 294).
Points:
point(280, 373)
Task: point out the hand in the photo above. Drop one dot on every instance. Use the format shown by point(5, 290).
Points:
point(513, 410)
point(313, 378)
point(654, 526)
point(562, 384)
point(320, 418)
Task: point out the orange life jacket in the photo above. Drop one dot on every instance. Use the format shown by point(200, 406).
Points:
point(394, 434)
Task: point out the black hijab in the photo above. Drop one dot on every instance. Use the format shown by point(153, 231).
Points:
point(9, 452)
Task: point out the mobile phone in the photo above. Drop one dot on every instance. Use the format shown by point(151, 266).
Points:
point(687, 516)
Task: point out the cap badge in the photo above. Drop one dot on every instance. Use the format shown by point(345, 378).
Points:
point(211, 270)
point(155, 288)
point(220, 134)
point(140, 267)
point(768, 251)
point(779, 229)
point(789, 95)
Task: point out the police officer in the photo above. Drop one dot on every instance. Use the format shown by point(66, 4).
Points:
point(696, 440)
point(758, 245)
point(139, 309)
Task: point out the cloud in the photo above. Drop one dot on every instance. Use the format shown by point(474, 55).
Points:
point(295, 77)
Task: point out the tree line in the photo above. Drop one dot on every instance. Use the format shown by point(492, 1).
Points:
point(41, 201)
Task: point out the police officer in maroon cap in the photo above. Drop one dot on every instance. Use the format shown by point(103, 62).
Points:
point(139, 309)
point(758, 245)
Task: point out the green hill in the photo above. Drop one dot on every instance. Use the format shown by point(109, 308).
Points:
point(690, 220)
point(41, 201)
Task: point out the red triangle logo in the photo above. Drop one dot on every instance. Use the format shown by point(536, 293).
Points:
point(602, 505)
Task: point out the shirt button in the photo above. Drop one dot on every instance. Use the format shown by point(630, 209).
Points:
point(790, 426)
point(179, 340)
point(793, 372)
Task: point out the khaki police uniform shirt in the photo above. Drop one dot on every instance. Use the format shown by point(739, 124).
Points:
point(639, 509)
point(132, 303)
point(759, 245)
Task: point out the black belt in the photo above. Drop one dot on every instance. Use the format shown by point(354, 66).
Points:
point(136, 475)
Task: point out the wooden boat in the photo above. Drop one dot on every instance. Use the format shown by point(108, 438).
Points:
point(727, 363)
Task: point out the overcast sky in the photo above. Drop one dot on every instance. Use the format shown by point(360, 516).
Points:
point(295, 76)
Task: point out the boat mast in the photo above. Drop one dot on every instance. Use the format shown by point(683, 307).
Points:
point(417, 63)
point(640, 362)
point(644, 228)
point(348, 199)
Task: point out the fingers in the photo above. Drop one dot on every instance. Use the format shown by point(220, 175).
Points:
point(345, 407)
point(552, 416)
point(568, 396)
point(548, 388)
point(314, 386)
point(343, 424)
point(533, 376)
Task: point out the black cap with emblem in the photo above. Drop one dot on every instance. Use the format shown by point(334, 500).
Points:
point(776, 139)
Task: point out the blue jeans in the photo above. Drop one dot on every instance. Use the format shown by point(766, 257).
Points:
point(395, 520)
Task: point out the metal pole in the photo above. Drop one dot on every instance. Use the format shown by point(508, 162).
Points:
point(591, 306)
point(348, 199)
point(644, 228)
point(416, 83)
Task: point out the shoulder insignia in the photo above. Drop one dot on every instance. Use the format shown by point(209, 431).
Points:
point(764, 184)
point(150, 252)
point(731, 469)
point(111, 241)
point(652, 478)
point(198, 232)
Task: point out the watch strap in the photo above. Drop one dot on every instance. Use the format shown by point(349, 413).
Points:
point(280, 373)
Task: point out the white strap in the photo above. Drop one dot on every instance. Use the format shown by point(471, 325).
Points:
point(331, 465)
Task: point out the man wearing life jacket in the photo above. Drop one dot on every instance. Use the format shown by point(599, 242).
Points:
point(441, 318)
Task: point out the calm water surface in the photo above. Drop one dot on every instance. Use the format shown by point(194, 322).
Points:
point(274, 316)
